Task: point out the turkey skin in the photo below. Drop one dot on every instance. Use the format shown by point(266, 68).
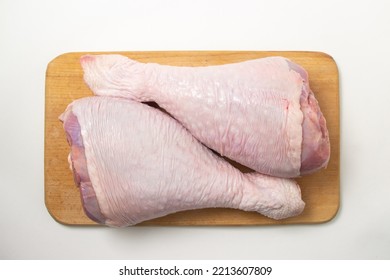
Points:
point(133, 163)
point(260, 113)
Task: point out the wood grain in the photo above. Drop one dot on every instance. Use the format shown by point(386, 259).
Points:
point(64, 83)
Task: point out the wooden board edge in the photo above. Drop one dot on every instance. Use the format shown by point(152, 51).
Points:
point(193, 52)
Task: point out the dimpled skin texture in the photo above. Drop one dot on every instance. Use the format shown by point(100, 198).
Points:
point(143, 164)
point(248, 111)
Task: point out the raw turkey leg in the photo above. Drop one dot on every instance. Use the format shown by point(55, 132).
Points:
point(260, 113)
point(134, 163)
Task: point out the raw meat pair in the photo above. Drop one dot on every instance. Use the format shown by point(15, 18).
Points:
point(134, 163)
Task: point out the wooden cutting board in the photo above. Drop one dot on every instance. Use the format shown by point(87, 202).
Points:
point(64, 83)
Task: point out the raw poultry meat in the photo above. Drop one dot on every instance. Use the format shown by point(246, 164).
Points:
point(260, 113)
point(133, 163)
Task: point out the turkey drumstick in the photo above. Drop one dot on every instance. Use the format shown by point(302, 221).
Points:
point(133, 163)
point(260, 113)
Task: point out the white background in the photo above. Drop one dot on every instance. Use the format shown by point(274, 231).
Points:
point(355, 33)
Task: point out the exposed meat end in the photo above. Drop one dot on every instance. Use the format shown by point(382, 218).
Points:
point(315, 139)
point(79, 167)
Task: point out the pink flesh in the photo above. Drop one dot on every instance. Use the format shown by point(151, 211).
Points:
point(315, 145)
point(315, 138)
point(80, 169)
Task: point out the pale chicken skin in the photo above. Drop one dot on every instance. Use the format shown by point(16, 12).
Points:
point(133, 163)
point(260, 113)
